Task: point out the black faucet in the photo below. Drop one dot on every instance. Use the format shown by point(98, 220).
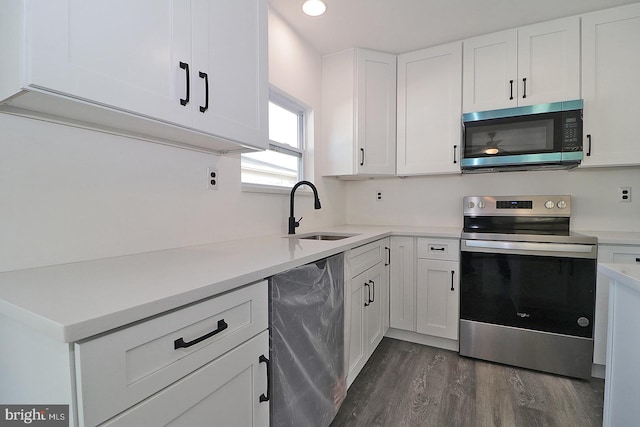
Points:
point(292, 219)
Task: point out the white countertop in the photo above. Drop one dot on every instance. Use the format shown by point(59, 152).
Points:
point(625, 274)
point(71, 302)
point(614, 237)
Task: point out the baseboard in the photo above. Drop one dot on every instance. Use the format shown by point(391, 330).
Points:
point(417, 338)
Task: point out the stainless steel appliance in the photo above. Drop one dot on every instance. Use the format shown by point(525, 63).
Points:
point(546, 136)
point(527, 284)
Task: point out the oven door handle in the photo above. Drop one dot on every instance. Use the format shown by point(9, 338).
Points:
point(530, 246)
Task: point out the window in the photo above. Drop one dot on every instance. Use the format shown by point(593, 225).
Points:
point(281, 164)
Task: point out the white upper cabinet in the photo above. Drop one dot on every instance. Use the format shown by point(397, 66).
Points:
point(359, 113)
point(188, 71)
point(610, 88)
point(531, 65)
point(429, 110)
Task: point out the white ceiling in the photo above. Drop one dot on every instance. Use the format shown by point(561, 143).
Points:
point(398, 26)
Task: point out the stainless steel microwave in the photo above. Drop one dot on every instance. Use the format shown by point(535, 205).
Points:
point(545, 136)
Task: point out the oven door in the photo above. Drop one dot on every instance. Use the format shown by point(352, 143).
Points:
point(538, 286)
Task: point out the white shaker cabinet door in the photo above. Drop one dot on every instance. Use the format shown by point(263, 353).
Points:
point(230, 69)
point(437, 294)
point(490, 72)
point(123, 54)
point(549, 62)
point(376, 282)
point(358, 322)
point(226, 392)
point(402, 304)
point(429, 109)
point(610, 88)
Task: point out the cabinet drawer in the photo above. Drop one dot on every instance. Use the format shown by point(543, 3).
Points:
point(443, 249)
point(364, 257)
point(117, 370)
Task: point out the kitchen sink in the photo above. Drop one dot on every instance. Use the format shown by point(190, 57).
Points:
point(322, 236)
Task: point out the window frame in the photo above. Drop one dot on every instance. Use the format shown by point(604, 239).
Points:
point(289, 103)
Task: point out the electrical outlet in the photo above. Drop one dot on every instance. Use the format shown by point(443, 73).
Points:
point(379, 195)
point(624, 194)
point(212, 179)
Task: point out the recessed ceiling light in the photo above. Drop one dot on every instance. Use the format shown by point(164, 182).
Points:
point(314, 7)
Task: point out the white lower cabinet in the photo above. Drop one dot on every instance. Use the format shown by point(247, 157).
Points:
point(369, 303)
point(437, 293)
point(201, 365)
point(224, 392)
point(617, 254)
point(424, 290)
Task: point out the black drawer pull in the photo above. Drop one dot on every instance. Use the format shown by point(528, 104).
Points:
point(388, 255)
point(362, 157)
point(366, 304)
point(265, 397)
point(373, 285)
point(436, 249)
point(206, 91)
point(452, 273)
point(185, 67)
point(524, 85)
point(637, 259)
point(455, 158)
point(179, 343)
point(510, 90)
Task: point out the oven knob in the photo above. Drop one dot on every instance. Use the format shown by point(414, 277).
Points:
point(562, 204)
point(481, 205)
point(549, 204)
point(471, 205)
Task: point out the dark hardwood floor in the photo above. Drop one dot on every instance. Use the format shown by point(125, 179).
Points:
point(406, 384)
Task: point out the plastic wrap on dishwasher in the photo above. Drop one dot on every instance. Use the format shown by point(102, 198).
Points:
point(308, 375)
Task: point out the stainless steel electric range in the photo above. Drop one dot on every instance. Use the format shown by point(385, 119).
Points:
point(527, 284)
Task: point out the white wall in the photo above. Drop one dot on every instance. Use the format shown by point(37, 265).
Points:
point(437, 200)
point(68, 194)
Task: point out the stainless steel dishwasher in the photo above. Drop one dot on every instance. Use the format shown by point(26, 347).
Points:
point(307, 370)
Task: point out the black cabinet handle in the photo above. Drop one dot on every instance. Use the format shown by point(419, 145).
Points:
point(452, 273)
point(362, 157)
point(388, 255)
point(589, 145)
point(206, 91)
point(637, 259)
point(265, 397)
point(436, 249)
point(179, 343)
point(510, 90)
point(524, 86)
point(366, 304)
point(373, 285)
point(185, 67)
point(455, 158)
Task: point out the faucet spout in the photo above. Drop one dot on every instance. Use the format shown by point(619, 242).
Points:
point(292, 219)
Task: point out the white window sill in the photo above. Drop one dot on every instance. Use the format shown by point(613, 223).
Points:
point(274, 189)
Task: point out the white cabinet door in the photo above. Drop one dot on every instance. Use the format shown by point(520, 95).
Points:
point(549, 62)
point(530, 65)
point(429, 109)
point(123, 54)
point(359, 113)
point(225, 392)
point(230, 47)
point(376, 113)
point(490, 72)
point(618, 254)
point(437, 293)
point(610, 70)
point(402, 285)
point(375, 290)
point(357, 344)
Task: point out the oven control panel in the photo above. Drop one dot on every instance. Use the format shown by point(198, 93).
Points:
point(555, 205)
